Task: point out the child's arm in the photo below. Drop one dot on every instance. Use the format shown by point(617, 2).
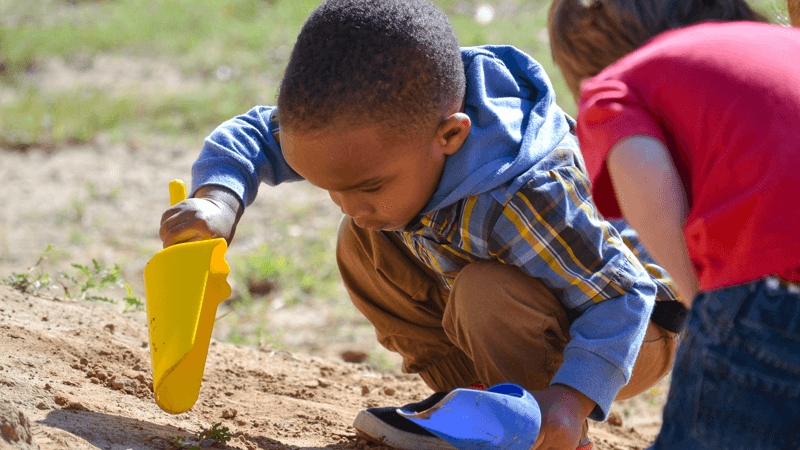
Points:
point(242, 153)
point(653, 201)
point(214, 212)
point(551, 230)
point(239, 155)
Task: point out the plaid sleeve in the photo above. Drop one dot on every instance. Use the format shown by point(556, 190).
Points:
point(551, 230)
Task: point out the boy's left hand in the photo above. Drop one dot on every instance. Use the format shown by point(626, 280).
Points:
point(564, 409)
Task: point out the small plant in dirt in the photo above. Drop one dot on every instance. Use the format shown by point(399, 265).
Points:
point(34, 280)
point(81, 286)
point(217, 434)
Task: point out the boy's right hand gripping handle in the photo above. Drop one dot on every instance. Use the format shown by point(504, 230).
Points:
point(177, 192)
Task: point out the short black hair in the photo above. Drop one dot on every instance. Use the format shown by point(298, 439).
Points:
point(372, 60)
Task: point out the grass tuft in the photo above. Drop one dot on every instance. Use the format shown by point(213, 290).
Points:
point(85, 284)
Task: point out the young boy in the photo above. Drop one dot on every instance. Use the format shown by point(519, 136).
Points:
point(469, 239)
point(705, 120)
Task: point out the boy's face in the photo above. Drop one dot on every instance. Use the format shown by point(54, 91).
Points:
point(382, 183)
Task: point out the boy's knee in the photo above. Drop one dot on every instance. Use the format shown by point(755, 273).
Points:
point(476, 283)
point(488, 290)
point(354, 255)
point(353, 246)
point(346, 238)
point(481, 278)
point(509, 323)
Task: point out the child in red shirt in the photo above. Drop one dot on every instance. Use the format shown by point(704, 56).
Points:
point(691, 131)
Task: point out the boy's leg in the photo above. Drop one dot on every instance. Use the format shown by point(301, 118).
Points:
point(502, 317)
point(654, 361)
point(736, 381)
point(508, 323)
point(405, 302)
point(515, 330)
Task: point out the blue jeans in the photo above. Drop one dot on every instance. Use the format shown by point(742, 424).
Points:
point(736, 378)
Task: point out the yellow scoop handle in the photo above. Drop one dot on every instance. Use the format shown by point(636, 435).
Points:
point(177, 192)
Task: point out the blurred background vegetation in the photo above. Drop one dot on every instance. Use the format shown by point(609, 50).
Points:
point(128, 70)
point(226, 54)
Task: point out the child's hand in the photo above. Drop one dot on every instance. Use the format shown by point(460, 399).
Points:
point(213, 213)
point(564, 410)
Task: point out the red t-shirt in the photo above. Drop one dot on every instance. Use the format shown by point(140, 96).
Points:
point(724, 98)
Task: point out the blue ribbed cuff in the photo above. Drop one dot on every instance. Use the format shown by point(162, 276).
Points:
point(219, 177)
point(594, 377)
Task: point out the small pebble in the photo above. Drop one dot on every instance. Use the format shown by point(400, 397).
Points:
point(615, 419)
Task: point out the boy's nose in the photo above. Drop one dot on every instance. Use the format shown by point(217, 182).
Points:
point(351, 205)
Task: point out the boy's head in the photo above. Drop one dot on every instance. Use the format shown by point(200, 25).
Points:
point(586, 36)
point(373, 61)
point(794, 12)
point(370, 106)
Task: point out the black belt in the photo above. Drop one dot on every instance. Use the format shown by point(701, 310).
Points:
point(670, 315)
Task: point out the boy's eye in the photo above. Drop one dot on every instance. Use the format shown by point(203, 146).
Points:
point(368, 190)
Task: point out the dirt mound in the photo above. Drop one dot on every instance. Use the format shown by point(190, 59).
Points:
point(15, 430)
point(79, 374)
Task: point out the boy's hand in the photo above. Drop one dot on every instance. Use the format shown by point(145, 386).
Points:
point(213, 213)
point(564, 410)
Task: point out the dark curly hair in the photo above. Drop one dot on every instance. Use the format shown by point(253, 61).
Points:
point(372, 61)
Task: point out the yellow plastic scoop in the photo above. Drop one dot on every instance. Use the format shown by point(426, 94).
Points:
point(184, 284)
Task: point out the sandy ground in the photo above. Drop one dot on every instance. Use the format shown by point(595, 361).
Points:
point(79, 374)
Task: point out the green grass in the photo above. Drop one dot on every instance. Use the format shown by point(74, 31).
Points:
point(37, 118)
point(249, 39)
point(85, 282)
point(297, 268)
point(229, 31)
point(303, 269)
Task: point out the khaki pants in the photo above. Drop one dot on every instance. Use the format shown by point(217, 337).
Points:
point(496, 325)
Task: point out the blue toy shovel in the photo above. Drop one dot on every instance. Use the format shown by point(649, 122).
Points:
point(505, 416)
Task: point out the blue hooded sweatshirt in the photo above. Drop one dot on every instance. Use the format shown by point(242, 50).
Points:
point(516, 130)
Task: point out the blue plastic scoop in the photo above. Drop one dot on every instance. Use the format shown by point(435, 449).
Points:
point(505, 416)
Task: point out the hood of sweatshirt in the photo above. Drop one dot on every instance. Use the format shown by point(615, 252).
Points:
point(515, 123)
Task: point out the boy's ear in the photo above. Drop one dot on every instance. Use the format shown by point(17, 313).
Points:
point(452, 132)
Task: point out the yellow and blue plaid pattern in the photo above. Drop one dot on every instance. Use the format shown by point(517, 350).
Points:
point(549, 227)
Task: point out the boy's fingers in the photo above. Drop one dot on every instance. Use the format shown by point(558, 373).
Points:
point(183, 213)
point(176, 208)
point(194, 220)
point(183, 227)
point(184, 233)
point(169, 220)
point(539, 440)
